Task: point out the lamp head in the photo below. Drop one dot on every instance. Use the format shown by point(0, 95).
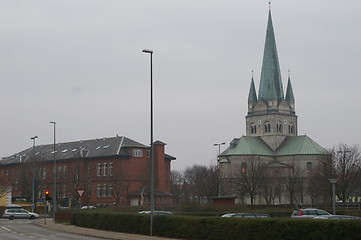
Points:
point(147, 51)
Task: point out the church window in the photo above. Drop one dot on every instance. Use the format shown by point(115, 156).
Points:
point(279, 127)
point(309, 167)
point(253, 128)
point(291, 128)
point(243, 168)
point(267, 127)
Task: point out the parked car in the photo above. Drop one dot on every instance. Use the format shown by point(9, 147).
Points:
point(87, 207)
point(342, 217)
point(156, 212)
point(13, 213)
point(247, 215)
point(308, 213)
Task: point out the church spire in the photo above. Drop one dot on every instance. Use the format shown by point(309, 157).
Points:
point(271, 82)
point(252, 96)
point(289, 92)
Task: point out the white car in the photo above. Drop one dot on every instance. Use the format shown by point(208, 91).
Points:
point(87, 207)
point(13, 213)
point(308, 213)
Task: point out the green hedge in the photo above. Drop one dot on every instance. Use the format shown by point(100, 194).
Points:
point(214, 228)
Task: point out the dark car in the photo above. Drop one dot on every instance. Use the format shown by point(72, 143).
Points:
point(247, 215)
point(13, 213)
point(308, 213)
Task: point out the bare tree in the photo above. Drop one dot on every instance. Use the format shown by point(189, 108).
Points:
point(347, 168)
point(343, 164)
point(251, 178)
point(293, 183)
point(81, 179)
point(119, 184)
point(202, 182)
point(5, 188)
point(177, 185)
point(272, 184)
point(324, 170)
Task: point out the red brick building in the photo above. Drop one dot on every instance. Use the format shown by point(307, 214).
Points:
point(112, 171)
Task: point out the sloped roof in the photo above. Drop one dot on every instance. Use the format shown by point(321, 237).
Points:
point(246, 145)
point(295, 145)
point(300, 145)
point(103, 147)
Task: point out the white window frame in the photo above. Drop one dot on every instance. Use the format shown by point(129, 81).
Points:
point(99, 169)
point(110, 169)
point(137, 152)
point(105, 167)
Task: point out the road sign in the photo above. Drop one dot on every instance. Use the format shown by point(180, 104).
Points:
point(80, 192)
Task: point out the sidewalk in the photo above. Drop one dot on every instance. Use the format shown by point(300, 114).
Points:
point(94, 232)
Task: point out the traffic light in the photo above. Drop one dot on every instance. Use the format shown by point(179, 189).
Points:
point(47, 196)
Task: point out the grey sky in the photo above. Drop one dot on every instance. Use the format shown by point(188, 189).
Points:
point(80, 63)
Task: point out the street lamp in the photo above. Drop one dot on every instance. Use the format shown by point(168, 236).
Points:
point(333, 181)
point(219, 147)
point(33, 181)
point(151, 142)
point(54, 174)
point(218, 163)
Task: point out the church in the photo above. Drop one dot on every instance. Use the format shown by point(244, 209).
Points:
point(271, 164)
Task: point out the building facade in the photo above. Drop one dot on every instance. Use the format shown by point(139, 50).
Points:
point(271, 163)
point(111, 171)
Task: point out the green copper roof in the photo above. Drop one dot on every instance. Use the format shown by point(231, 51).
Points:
point(295, 145)
point(300, 145)
point(289, 92)
point(252, 96)
point(248, 146)
point(271, 81)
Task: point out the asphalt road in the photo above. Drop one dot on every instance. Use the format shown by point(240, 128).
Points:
point(20, 229)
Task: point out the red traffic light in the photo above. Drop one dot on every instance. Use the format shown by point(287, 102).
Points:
point(47, 197)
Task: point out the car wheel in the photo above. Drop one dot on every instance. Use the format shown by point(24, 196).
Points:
point(32, 217)
point(11, 218)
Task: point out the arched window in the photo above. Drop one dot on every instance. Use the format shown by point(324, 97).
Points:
point(253, 128)
point(243, 168)
point(267, 127)
point(309, 167)
point(291, 128)
point(279, 127)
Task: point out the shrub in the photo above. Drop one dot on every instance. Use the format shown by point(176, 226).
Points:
point(214, 228)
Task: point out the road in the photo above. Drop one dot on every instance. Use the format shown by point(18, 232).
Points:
point(20, 229)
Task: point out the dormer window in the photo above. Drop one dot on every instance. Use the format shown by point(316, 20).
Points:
point(137, 153)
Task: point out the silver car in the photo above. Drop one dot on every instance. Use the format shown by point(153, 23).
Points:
point(13, 213)
point(308, 213)
point(247, 215)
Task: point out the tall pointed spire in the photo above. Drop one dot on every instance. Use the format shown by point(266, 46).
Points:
point(289, 92)
point(252, 96)
point(271, 82)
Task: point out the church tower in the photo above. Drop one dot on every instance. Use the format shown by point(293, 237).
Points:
point(271, 116)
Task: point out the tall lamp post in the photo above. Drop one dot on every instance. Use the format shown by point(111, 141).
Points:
point(150, 52)
point(218, 163)
point(219, 147)
point(333, 181)
point(33, 170)
point(54, 174)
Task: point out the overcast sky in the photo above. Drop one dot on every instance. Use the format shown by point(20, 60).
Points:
point(80, 63)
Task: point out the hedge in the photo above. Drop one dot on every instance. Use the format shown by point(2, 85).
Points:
point(217, 228)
